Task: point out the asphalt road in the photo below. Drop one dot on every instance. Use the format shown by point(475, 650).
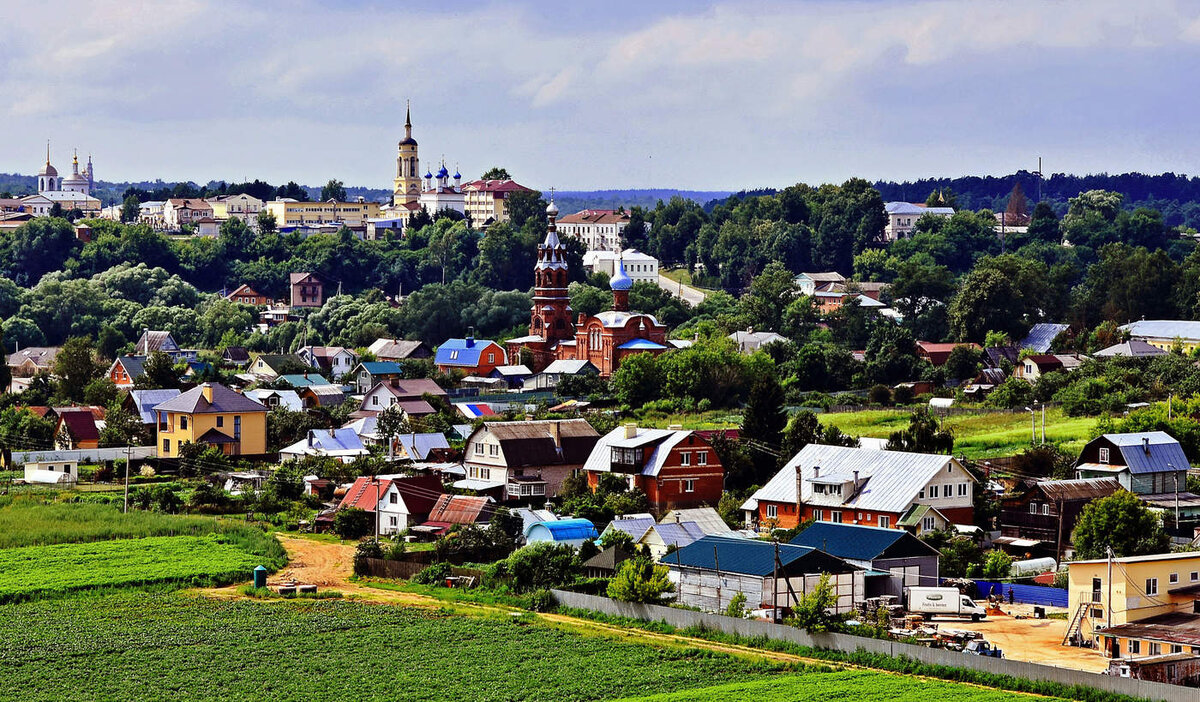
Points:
point(688, 294)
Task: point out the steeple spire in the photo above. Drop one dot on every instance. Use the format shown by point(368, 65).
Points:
point(47, 152)
point(407, 120)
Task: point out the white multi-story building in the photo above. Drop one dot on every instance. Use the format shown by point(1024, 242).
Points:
point(599, 230)
point(903, 216)
point(639, 267)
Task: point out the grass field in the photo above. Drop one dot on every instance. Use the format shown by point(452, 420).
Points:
point(172, 646)
point(682, 275)
point(30, 522)
point(858, 685)
point(975, 435)
point(42, 570)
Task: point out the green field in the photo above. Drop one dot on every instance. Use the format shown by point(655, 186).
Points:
point(171, 646)
point(975, 435)
point(42, 570)
point(682, 275)
point(29, 522)
point(858, 685)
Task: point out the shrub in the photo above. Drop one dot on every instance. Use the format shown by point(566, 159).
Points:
point(640, 580)
point(903, 395)
point(367, 548)
point(352, 523)
point(880, 395)
point(542, 601)
point(542, 565)
point(435, 575)
point(737, 606)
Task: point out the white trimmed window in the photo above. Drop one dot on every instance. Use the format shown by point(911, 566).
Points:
point(772, 511)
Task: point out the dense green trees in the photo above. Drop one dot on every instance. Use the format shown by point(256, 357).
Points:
point(1120, 522)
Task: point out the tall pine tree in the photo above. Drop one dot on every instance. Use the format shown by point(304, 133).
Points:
point(763, 424)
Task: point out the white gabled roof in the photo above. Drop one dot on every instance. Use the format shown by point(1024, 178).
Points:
point(600, 459)
point(891, 479)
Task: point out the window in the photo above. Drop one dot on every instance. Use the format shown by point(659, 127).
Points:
point(166, 445)
point(478, 448)
point(454, 355)
point(1033, 508)
point(772, 511)
point(685, 458)
point(393, 498)
point(689, 486)
point(392, 521)
point(183, 422)
point(1096, 585)
point(1175, 648)
point(835, 517)
point(702, 458)
point(1135, 647)
point(1174, 578)
point(493, 450)
point(375, 400)
point(1151, 586)
point(963, 489)
point(947, 490)
point(485, 473)
point(1097, 614)
point(220, 421)
point(237, 427)
point(921, 494)
point(1104, 455)
point(885, 521)
point(818, 515)
point(927, 524)
point(1046, 509)
point(491, 358)
point(1194, 576)
point(1155, 649)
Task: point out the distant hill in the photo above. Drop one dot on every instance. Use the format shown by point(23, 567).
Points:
point(575, 200)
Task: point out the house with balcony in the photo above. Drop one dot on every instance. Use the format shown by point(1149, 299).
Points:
point(212, 414)
point(333, 361)
point(676, 468)
point(1046, 511)
point(525, 460)
point(861, 486)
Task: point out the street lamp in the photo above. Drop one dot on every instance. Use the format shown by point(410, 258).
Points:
point(1175, 477)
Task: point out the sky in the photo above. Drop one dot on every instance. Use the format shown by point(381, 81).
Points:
point(613, 94)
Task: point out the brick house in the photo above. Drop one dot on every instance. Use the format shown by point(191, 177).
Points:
point(676, 468)
point(306, 290)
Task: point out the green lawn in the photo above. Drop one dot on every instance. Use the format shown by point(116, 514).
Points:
point(975, 435)
point(682, 275)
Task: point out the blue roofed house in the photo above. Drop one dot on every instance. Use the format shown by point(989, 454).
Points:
point(471, 356)
point(340, 444)
point(366, 375)
point(1165, 333)
point(303, 380)
point(711, 571)
point(513, 376)
point(572, 532)
point(143, 402)
point(1144, 463)
point(1041, 336)
point(894, 559)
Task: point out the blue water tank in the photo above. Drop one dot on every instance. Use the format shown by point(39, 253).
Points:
point(260, 577)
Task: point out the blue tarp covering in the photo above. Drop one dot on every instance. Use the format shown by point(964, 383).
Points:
point(1025, 594)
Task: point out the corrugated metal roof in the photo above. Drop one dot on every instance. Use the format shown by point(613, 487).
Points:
point(636, 528)
point(1133, 347)
point(1042, 335)
point(303, 380)
point(1149, 451)
point(144, 401)
point(753, 557)
point(1082, 489)
point(570, 367)
point(678, 535)
point(456, 352)
point(892, 479)
point(1164, 329)
point(600, 458)
point(461, 509)
point(707, 518)
point(418, 446)
point(380, 367)
point(861, 543)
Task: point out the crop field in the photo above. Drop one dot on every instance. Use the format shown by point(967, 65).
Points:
point(975, 435)
point(43, 570)
point(30, 522)
point(858, 685)
point(173, 646)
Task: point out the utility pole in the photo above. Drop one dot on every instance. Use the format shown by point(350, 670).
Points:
point(128, 451)
point(775, 584)
point(377, 517)
point(1043, 422)
point(717, 566)
point(1108, 618)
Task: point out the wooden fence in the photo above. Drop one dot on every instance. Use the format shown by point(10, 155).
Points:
point(404, 570)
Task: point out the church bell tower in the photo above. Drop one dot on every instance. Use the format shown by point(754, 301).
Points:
point(407, 184)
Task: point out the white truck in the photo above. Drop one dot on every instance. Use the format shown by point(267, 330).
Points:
point(945, 601)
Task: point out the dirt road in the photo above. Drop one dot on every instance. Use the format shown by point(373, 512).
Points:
point(1032, 640)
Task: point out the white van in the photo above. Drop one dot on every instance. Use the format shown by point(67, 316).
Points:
point(946, 601)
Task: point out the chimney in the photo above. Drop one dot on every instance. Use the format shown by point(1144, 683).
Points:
point(470, 337)
point(856, 480)
point(630, 430)
point(1146, 445)
point(207, 390)
point(816, 471)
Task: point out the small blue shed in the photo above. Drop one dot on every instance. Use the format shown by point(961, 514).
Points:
point(572, 532)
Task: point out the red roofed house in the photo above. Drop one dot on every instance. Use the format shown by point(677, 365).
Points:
point(485, 200)
point(676, 468)
point(77, 427)
point(408, 394)
point(460, 509)
point(247, 295)
point(402, 502)
point(938, 354)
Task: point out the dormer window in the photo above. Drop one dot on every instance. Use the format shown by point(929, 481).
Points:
point(1104, 456)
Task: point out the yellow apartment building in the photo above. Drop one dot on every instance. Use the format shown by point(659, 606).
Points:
point(212, 414)
point(291, 213)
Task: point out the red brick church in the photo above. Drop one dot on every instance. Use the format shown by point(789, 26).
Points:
point(604, 339)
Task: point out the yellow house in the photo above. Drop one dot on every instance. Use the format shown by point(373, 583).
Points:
point(1166, 334)
point(212, 414)
point(1147, 605)
point(290, 213)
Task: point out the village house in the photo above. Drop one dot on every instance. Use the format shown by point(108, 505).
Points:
point(306, 290)
point(236, 356)
point(273, 365)
point(162, 341)
point(241, 206)
point(397, 503)
point(142, 403)
point(713, 570)
point(1148, 608)
point(321, 395)
point(332, 361)
point(660, 539)
point(399, 349)
point(598, 230)
point(32, 360)
point(450, 510)
point(179, 211)
point(750, 341)
point(938, 354)
point(125, 370)
point(287, 399)
point(525, 460)
point(212, 414)
point(470, 355)
point(861, 486)
point(1046, 511)
point(407, 394)
point(78, 427)
point(369, 374)
point(302, 380)
point(894, 559)
point(1144, 463)
point(902, 218)
point(706, 518)
point(339, 444)
point(246, 295)
point(676, 468)
point(1166, 334)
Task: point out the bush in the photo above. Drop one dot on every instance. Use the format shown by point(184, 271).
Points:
point(542, 565)
point(367, 548)
point(903, 395)
point(542, 601)
point(435, 575)
point(351, 523)
point(640, 580)
point(880, 395)
point(104, 474)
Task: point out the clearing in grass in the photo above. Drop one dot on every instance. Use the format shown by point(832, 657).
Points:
point(32, 522)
